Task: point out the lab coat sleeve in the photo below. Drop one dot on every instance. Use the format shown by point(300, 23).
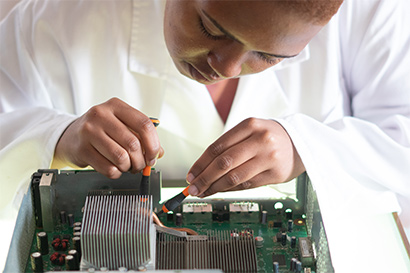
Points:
point(362, 161)
point(30, 125)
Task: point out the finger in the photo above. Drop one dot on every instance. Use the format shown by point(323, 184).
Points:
point(235, 156)
point(161, 152)
point(112, 151)
point(241, 177)
point(143, 126)
point(101, 164)
point(259, 180)
point(227, 140)
point(262, 179)
point(130, 142)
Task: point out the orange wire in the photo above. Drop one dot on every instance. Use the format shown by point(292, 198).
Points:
point(159, 223)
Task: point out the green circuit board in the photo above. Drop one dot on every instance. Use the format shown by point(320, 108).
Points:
point(272, 249)
point(270, 246)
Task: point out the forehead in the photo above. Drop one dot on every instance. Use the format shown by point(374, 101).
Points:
point(261, 25)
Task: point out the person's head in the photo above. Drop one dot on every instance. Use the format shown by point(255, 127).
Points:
point(211, 40)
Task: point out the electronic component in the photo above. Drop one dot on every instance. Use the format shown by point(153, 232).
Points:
point(305, 251)
point(230, 251)
point(196, 212)
point(290, 225)
point(196, 208)
point(264, 217)
point(178, 218)
point(117, 230)
point(275, 267)
point(293, 242)
point(71, 263)
point(259, 241)
point(279, 258)
point(42, 242)
point(36, 262)
point(235, 235)
point(244, 212)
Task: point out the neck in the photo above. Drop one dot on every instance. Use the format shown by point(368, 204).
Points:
point(222, 94)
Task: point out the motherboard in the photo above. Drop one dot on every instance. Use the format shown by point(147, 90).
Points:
point(86, 222)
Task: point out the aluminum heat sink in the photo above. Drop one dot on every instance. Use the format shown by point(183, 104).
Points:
point(230, 251)
point(117, 230)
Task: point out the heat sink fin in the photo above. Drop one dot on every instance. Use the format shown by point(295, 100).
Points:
point(117, 230)
point(229, 251)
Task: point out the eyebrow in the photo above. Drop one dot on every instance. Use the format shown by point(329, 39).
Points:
point(225, 32)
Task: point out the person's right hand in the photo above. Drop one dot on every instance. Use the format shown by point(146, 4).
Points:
point(112, 137)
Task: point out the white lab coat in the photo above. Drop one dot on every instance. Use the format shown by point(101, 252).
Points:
point(345, 100)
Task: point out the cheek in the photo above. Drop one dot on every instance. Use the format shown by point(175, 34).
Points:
point(256, 65)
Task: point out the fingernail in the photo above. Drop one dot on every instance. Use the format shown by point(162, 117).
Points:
point(193, 190)
point(189, 178)
point(152, 162)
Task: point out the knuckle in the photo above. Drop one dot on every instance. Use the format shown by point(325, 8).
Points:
point(267, 138)
point(252, 122)
point(215, 149)
point(146, 125)
point(113, 101)
point(139, 166)
point(245, 185)
point(95, 112)
point(201, 183)
point(120, 156)
point(87, 128)
point(133, 144)
point(112, 172)
point(271, 155)
point(233, 179)
point(209, 191)
point(224, 162)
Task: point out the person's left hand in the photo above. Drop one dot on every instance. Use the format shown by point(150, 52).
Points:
point(254, 153)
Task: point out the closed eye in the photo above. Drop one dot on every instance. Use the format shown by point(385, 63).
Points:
point(206, 33)
point(270, 60)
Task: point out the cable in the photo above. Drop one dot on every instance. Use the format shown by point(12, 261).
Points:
point(159, 223)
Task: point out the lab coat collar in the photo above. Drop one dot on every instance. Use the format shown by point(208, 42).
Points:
point(151, 56)
point(148, 52)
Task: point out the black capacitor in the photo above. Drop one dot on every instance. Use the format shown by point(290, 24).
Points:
point(283, 238)
point(293, 264)
point(264, 218)
point(298, 267)
point(178, 219)
point(77, 244)
point(36, 262)
point(71, 263)
point(275, 267)
point(71, 219)
point(63, 217)
point(74, 253)
point(290, 225)
point(289, 214)
point(42, 242)
point(170, 216)
point(76, 229)
point(293, 242)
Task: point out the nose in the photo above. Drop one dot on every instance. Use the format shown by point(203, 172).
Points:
point(227, 59)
